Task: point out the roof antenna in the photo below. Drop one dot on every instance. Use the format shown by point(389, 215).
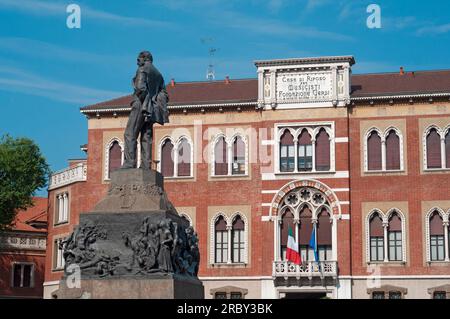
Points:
point(210, 71)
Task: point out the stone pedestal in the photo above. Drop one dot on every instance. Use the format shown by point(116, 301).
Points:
point(132, 245)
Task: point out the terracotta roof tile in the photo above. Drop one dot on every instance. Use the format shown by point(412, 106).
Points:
point(246, 90)
point(397, 84)
point(37, 213)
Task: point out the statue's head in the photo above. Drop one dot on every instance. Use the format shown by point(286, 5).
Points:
point(143, 57)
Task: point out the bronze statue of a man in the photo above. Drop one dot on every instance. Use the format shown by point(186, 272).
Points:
point(149, 106)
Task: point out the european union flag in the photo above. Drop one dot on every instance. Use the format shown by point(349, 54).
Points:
point(313, 243)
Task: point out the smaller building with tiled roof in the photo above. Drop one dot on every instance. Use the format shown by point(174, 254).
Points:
point(22, 253)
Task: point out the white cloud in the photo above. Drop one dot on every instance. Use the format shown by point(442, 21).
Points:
point(434, 29)
point(237, 20)
point(42, 8)
point(18, 80)
point(313, 4)
point(41, 49)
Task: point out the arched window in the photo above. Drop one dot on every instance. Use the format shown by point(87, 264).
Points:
point(376, 238)
point(221, 240)
point(322, 151)
point(286, 222)
point(434, 149)
point(115, 157)
point(167, 163)
point(447, 149)
point(238, 167)
point(220, 157)
point(238, 241)
point(437, 245)
point(184, 158)
point(304, 152)
point(305, 230)
point(392, 151)
point(374, 152)
point(395, 238)
point(324, 235)
point(309, 205)
point(287, 152)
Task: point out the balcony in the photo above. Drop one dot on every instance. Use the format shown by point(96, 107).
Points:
point(307, 272)
point(68, 176)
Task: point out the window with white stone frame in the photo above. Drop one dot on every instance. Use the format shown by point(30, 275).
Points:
point(305, 148)
point(229, 239)
point(229, 155)
point(176, 158)
point(58, 259)
point(302, 210)
point(436, 148)
point(437, 235)
point(385, 236)
point(22, 275)
point(114, 156)
point(383, 151)
point(62, 208)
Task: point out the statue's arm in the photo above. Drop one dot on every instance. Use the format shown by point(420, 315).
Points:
point(141, 84)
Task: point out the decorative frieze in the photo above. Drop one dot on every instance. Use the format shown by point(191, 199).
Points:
point(18, 241)
point(68, 176)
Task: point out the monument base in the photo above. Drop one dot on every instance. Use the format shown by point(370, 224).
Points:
point(132, 245)
point(154, 287)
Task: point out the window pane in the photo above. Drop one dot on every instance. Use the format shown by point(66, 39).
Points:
point(395, 295)
point(17, 275)
point(434, 149)
point(115, 157)
point(167, 164)
point(308, 150)
point(236, 295)
point(440, 295)
point(392, 151)
point(301, 151)
point(378, 295)
point(220, 295)
point(26, 276)
point(374, 151)
point(322, 151)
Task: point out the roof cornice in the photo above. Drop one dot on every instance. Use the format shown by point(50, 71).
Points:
point(176, 107)
point(299, 61)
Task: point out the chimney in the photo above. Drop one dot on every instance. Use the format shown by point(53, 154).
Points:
point(172, 82)
point(227, 80)
point(402, 71)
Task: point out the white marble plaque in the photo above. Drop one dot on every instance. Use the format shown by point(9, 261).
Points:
point(304, 87)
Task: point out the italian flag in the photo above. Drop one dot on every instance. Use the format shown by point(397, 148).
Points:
point(292, 253)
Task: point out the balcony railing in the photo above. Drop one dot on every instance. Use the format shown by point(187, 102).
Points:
point(67, 176)
point(308, 269)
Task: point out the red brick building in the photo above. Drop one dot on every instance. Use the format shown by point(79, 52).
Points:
point(22, 253)
point(364, 160)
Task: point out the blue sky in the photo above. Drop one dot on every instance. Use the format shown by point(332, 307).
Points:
point(48, 71)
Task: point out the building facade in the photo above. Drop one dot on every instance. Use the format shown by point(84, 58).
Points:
point(22, 253)
point(363, 160)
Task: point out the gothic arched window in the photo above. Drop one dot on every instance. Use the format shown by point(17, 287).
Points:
point(184, 158)
point(374, 161)
point(221, 240)
point(220, 157)
point(434, 149)
point(392, 151)
point(287, 152)
point(376, 238)
point(167, 159)
point(237, 240)
point(115, 157)
point(238, 164)
point(322, 151)
point(305, 152)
